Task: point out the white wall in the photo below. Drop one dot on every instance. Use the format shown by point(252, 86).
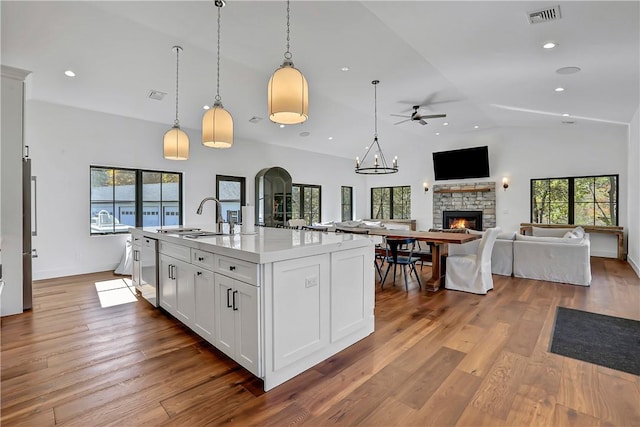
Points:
point(633, 237)
point(66, 141)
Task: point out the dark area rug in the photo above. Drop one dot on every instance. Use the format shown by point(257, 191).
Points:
point(608, 341)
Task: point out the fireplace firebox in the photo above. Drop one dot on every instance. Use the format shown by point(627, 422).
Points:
point(462, 219)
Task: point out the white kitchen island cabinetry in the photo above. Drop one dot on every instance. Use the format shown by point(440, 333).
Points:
point(277, 302)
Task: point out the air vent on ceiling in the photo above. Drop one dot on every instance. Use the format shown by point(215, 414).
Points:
point(157, 95)
point(255, 119)
point(544, 15)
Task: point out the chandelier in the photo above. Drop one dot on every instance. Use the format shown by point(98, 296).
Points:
point(378, 165)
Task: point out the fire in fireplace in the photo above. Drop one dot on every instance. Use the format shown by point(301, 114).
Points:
point(462, 219)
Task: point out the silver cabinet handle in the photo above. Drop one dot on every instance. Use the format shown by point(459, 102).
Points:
point(34, 232)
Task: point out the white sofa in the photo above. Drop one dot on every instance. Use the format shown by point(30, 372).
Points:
point(546, 255)
point(551, 254)
point(501, 257)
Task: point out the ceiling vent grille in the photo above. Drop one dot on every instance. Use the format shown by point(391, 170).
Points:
point(544, 15)
point(157, 95)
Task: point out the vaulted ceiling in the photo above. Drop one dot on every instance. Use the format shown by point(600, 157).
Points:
point(480, 63)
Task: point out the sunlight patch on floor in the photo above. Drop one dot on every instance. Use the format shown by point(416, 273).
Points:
point(115, 292)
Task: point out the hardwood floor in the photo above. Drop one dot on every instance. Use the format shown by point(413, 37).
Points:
point(436, 359)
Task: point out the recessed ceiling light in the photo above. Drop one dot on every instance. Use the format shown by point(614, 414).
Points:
point(206, 107)
point(255, 119)
point(559, 89)
point(476, 127)
point(305, 133)
point(565, 115)
point(568, 70)
point(344, 69)
point(437, 133)
point(366, 148)
point(281, 126)
point(445, 124)
point(549, 45)
point(69, 73)
point(330, 138)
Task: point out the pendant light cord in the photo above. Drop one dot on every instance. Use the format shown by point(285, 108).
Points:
point(218, 98)
point(375, 107)
point(287, 54)
point(177, 48)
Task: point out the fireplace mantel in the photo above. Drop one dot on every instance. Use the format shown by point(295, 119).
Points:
point(463, 190)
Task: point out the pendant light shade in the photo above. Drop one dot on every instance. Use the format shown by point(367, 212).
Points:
point(217, 123)
point(176, 141)
point(288, 91)
point(217, 127)
point(176, 144)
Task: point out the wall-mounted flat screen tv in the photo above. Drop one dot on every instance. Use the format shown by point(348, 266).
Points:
point(461, 164)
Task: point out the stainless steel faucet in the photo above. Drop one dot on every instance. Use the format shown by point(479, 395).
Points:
point(219, 220)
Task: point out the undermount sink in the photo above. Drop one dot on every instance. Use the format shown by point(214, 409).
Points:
point(202, 234)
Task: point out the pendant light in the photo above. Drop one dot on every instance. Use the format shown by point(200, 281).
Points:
point(288, 91)
point(217, 123)
point(379, 164)
point(176, 141)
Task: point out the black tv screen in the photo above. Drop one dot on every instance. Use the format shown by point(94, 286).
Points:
point(461, 164)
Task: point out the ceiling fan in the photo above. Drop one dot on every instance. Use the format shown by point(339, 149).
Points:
point(416, 116)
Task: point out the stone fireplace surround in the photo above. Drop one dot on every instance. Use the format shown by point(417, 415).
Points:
point(473, 196)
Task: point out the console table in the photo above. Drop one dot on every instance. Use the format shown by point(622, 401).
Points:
point(603, 229)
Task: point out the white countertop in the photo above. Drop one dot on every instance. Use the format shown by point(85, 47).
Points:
point(266, 245)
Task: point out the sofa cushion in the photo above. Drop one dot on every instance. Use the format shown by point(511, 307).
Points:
point(578, 231)
point(508, 235)
point(570, 235)
point(548, 239)
point(549, 232)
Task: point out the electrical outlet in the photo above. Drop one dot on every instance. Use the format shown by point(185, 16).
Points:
point(310, 281)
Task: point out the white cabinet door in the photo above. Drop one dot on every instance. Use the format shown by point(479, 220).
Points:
point(167, 283)
point(204, 290)
point(237, 321)
point(299, 303)
point(224, 315)
point(350, 277)
point(185, 294)
point(247, 325)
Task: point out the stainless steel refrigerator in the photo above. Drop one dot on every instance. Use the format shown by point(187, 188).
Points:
point(29, 229)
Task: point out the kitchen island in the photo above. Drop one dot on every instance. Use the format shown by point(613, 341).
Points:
point(277, 302)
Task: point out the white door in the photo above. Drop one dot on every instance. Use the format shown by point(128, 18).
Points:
point(204, 321)
point(224, 315)
point(247, 326)
point(167, 283)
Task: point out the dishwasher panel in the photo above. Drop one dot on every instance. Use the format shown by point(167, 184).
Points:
point(148, 283)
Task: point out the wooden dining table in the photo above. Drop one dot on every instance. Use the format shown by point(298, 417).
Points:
point(437, 240)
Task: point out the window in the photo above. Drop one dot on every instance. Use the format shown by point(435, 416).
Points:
point(230, 191)
point(391, 202)
point(346, 203)
point(585, 200)
point(305, 202)
point(123, 198)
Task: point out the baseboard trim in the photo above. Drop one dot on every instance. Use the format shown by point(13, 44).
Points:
point(634, 266)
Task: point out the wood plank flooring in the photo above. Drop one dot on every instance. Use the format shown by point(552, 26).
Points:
point(436, 359)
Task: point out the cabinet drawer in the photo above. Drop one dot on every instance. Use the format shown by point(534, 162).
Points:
point(202, 258)
point(180, 252)
point(236, 268)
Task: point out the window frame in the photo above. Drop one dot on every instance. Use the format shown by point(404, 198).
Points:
point(138, 202)
point(391, 201)
point(571, 198)
point(303, 212)
point(343, 217)
point(243, 196)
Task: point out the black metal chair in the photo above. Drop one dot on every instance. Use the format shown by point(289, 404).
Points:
point(395, 258)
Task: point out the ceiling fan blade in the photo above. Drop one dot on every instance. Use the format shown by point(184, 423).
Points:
point(422, 122)
point(434, 116)
point(402, 121)
point(398, 115)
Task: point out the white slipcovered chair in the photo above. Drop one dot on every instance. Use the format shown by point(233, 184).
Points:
point(472, 272)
